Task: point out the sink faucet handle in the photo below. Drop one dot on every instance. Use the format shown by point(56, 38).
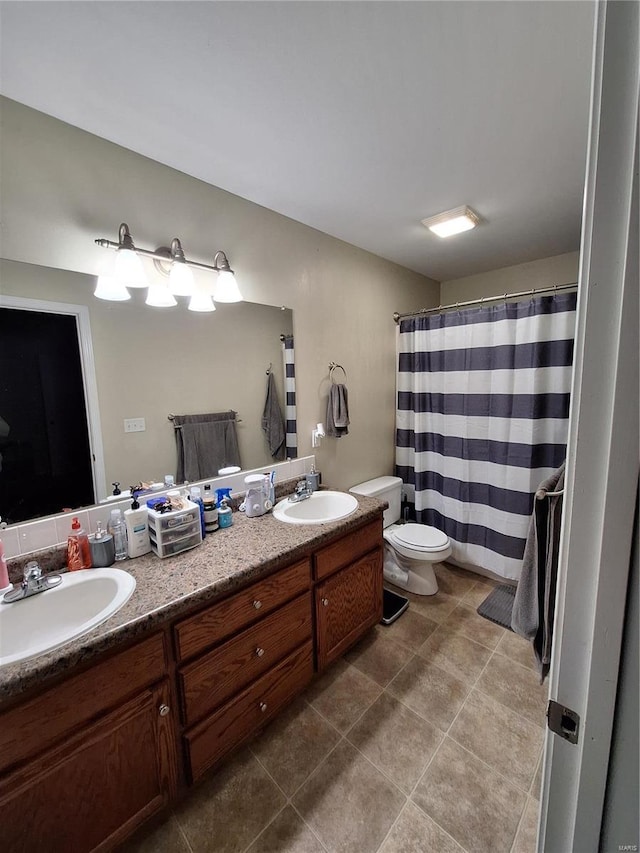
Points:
point(32, 572)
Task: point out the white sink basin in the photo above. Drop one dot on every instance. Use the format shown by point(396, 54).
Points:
point(321, 508)
point(49, 619)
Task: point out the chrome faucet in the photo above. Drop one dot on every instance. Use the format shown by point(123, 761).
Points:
point(302, 492)
point(33, 582)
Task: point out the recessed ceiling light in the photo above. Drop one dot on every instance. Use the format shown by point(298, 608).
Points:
point(452, 221)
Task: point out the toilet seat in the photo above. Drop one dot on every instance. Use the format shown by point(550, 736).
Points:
point(417, 538)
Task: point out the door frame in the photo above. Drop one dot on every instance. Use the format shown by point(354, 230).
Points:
point(90, 385)
point(602, 449)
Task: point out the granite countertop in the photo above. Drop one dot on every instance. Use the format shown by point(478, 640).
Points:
point(169, 588)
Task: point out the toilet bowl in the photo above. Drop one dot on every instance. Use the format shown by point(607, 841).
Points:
point(411, 550)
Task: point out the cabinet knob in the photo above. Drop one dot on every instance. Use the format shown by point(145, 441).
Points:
point(257, 604)
point(263, 706)
point(163, 710)
point(259, 652)
point(325, 602)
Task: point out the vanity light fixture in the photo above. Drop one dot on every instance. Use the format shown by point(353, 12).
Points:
point(171, 263)
point(452, 221)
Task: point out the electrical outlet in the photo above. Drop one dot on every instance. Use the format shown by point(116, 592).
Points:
point(134, 425)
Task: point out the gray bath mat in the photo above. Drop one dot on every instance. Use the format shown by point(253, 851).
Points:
point(498, 605)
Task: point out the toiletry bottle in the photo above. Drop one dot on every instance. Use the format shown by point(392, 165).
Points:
point(5, 583)
point(138, 542)
point(78, 549)
point(196, 497)
point(221, 494)
point(313, 479)
point(225, 516)
point(103, 551)
point(118, 530)
point(210, 510)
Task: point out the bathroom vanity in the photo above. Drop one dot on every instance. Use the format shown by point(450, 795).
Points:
point(104, 732)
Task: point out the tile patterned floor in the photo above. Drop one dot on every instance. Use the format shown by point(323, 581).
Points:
point(427, 736)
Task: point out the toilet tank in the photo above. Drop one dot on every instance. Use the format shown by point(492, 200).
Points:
point(385, 489)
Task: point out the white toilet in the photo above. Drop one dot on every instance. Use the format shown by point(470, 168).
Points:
point(411, 550)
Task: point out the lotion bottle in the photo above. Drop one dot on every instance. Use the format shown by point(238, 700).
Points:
point(225, 516)
point(135, 519)
point(78, 549)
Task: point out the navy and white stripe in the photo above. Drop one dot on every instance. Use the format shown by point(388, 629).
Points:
point(482, 419)
point(290, 418)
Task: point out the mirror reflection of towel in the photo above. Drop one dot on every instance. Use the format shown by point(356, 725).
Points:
point(205, 443)
point(338, 411)
point(272, 420)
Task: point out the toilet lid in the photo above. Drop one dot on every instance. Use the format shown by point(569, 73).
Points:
point(420, 536)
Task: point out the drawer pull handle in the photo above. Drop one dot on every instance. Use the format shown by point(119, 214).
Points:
point(263, 706)
point(257, 604)
point(325, 602)
point(163, 710)
point(259, 652)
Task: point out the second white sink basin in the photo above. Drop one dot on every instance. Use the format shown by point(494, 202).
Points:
point(321, 508)
point(49, 619)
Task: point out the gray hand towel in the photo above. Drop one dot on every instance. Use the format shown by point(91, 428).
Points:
point(534, 603)
point(338, 411)
point(272, 420)
point(204, 447)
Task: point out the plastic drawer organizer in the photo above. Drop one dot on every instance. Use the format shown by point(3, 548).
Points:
point(173, 532)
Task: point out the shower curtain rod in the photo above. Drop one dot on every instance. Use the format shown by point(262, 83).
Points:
point(553, 289)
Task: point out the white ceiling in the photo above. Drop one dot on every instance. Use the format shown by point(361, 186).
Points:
point(357, 118)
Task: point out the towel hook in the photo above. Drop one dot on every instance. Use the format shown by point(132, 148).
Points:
point(333, 366)
point(269, 368)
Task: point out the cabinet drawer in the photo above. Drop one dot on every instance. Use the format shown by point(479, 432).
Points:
point(223, 619)
point(218, 734)
point(214, 678)
point(37, 723)
point(347, 549)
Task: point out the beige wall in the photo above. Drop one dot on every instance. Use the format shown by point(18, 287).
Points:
point(62, 188)
point(545, 272)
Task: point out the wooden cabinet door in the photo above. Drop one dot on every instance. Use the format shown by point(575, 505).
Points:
point(91, 791)
point(347, 604)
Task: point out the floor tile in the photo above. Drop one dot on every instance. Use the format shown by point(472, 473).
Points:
point(465, 620)
point(415, 832)
point(456, 653)
point(515, 687)
point(397, 741)
point(435, 607)
point(477, 594)
point(454, 581)
point(410, 630)
point(378, 657)
point(293, 745)
point(349, 804)
point(471, 802)
point(226, 811)
point(503, 739)
point(528, 831)
point(159, 836)
point(343, 695)
point(537, 779)
point(434, 694)
point(286, 834)
point(518, 649)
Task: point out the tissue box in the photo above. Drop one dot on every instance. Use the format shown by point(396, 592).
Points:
point(176, 531)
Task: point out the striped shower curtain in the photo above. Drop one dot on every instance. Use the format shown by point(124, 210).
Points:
point(482, 419)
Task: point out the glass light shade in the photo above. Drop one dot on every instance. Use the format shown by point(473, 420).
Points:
point(129, 270)
point(159, 296)
point(452, 221)
point(201, 300)
point(111, 289)
point(226, 288)
point(181, 281)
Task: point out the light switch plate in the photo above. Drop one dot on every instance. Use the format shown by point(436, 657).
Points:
point(134, 425)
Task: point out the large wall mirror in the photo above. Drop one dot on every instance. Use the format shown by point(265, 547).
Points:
point(149, 363)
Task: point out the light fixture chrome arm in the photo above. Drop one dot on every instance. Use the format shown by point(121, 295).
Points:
point(220, 261)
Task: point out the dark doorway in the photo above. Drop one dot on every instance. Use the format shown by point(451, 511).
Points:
point(45, 464)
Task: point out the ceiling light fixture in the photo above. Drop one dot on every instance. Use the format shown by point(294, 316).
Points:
point(172, 263)
point(452, 221)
